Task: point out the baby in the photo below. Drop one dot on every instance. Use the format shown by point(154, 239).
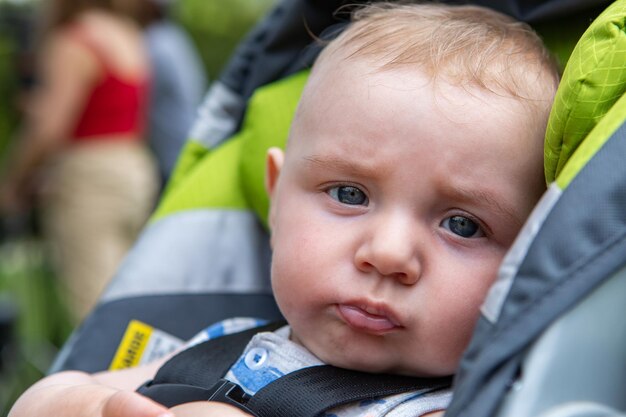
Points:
point(414, 158)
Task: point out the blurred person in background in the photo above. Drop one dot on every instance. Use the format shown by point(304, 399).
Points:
point(81, 151)
point(178, 84)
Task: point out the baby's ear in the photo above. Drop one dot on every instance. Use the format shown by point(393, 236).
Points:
point(274, 163)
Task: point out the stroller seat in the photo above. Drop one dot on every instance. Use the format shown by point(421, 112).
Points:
point(205, 254)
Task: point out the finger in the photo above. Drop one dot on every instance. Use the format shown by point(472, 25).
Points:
point(131, 404)
point(207, 409)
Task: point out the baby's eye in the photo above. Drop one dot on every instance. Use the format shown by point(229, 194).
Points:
point(347, 194)
point(462, 226)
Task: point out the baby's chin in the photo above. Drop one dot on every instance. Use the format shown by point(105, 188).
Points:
point(349, 356)
point(383, 366)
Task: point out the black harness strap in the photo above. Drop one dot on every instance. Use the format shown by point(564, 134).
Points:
point(307, 392)
point(310, 391)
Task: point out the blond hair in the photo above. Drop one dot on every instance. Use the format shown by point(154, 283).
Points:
point(467, 45)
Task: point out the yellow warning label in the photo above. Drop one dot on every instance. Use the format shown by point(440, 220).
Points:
point(133, 344)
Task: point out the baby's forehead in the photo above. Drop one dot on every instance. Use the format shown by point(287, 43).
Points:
point(340, 76)
point(379, 104)
point(344, 77)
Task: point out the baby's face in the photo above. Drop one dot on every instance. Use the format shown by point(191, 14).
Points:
point(393, 209)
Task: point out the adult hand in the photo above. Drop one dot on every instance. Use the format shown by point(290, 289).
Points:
point(76, 394)
point(207, 409)
point(131, 404)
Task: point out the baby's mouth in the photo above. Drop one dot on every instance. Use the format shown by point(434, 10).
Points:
point(368, 319)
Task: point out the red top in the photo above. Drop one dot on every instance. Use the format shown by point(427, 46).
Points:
point(115, 105)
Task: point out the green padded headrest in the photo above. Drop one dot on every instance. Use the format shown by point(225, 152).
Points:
point(231, 175)
point(593, 84)
point(266, 124)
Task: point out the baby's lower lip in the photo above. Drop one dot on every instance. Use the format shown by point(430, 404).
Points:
point(360, 319)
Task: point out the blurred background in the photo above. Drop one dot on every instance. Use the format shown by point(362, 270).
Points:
point(34, 322)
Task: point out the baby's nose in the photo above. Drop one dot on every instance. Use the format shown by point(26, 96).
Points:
point(391, 251)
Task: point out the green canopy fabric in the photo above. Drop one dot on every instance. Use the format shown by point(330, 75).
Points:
point(592, 87)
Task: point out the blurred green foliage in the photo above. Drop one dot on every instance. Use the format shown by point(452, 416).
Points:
point(8, 73)
point(28, 294)
point(217, 26)
point(8, 90)
point(33, 320)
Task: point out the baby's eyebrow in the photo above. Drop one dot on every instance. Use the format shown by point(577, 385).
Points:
point(335, 163)
point(505, 210)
